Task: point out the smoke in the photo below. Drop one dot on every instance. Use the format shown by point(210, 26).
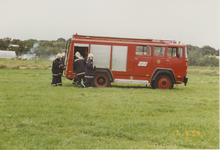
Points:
point(52, 57)
point(29, 57)
point(35, 47)
point(32, 53)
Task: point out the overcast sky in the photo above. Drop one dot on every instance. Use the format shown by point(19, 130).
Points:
point(194, 22)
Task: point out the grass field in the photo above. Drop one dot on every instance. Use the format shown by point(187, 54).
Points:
point(35, 115)
point(40, 64)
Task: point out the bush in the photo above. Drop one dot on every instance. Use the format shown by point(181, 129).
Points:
point(211, 61)
point(196, 59)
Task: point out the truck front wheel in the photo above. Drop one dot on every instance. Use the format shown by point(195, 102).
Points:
point(101, 80)
point(163, 82)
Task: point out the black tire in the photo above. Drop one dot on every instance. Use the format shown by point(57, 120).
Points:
point(152, 85)
point(101, 80)
point(163, 82)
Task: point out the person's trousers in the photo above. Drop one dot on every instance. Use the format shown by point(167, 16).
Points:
point(56, 80)
point(79, 79)
point(89, 81)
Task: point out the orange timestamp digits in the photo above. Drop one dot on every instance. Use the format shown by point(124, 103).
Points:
point(192, 133)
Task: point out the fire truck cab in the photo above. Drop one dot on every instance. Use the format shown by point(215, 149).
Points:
point(159, 63)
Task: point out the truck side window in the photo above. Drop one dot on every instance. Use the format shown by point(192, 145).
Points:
point(143, 50)
point(181, 51)
point(159, 51)
point(172, 52)
point(186, 53)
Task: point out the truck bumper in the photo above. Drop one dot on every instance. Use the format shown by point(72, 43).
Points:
point(185, 80)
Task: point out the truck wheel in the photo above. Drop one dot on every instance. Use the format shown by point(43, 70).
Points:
point(163, 82)
point(101, 80)
point(152, 85)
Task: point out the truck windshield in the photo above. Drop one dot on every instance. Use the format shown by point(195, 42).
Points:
point(186, 52)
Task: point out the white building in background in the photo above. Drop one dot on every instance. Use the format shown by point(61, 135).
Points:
point(13, 45)
point(7, 54)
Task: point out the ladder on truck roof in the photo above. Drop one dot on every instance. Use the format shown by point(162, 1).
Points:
point(76, 36)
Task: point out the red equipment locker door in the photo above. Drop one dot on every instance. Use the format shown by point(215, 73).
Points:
point(142, 66)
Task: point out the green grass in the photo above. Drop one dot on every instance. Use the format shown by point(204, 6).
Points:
point(35, 115)
point(41, 64)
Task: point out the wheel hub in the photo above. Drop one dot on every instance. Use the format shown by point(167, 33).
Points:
point(101, 80)
point(164, 83)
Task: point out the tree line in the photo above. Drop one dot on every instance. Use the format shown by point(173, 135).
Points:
point(204, 56)
point(40, 48)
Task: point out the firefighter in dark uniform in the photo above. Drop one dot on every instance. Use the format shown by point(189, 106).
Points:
point(62, 63)
point(79, 65)
point(56, 70)
point(89, 72)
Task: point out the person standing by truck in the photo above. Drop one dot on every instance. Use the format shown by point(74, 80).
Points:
point(79, 65)
point(62, 63)
point(89, 72)
point(57, 70)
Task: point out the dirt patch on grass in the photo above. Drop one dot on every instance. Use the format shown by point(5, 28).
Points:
point(23, 67)
point(3, 66)
point(203, 71)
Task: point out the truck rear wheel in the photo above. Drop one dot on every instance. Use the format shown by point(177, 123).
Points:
point(101, 80)
point(163, 82)
point(152, 85)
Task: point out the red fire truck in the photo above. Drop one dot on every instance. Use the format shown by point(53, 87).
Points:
point(159, 63)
